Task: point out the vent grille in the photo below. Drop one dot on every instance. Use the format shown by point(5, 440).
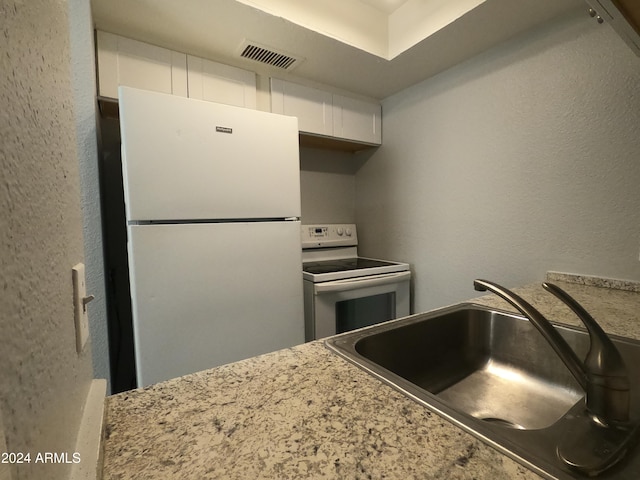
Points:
point(269, 56)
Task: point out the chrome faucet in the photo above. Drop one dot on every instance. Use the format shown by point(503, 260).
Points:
point(600, 438)
point(603, 374)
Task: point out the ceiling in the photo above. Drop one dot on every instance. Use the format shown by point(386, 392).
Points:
point(374, 48)
point(386, 6)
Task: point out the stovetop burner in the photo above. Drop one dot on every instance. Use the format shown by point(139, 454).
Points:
point(343, 264)
point(330, 253)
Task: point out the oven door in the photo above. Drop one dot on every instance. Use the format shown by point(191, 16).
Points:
point(344, 305)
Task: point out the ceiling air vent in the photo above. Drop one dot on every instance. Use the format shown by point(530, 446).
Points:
point(268, 56)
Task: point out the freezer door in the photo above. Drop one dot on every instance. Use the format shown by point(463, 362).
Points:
point(208, 294)
point(186, 159)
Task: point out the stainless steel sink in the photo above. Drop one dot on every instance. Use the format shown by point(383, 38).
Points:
point(491, 373)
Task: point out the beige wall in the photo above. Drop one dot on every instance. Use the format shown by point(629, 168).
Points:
point(43, 381)
point(521, 160)
point(327, 184)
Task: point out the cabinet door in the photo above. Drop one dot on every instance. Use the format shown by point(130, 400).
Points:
point(122, 61)
point(357, 120)
point(220, 83)
point(313, 107)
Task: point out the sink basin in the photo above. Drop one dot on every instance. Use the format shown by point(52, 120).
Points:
point(490, 372)
point(469, 359)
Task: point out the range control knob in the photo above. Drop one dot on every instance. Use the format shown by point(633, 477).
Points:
point(348, 232)
point(340, 231)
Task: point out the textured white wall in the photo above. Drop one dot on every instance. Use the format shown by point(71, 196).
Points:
point(84, 93)
point(327, 184)
point(521, 160)
point(43, 382)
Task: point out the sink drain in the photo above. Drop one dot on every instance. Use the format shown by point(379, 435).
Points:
point(503, 423)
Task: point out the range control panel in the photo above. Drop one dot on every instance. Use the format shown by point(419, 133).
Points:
point(329, 235)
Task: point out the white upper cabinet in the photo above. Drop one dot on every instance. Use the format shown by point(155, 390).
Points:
point(122, 61)
point(357, 120)
point(323, 113)
point(220, 83)
point(313, 107)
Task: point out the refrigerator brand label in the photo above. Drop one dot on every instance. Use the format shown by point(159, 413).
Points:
point(224, 130)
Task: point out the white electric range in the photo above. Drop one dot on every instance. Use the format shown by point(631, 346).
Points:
point(343, 291)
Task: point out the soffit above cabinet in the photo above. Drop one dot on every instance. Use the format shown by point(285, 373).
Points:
point(361, 63)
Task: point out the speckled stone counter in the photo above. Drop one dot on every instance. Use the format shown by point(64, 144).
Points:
point(306, 413)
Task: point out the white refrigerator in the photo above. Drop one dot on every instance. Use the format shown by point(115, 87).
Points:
point(212, 196)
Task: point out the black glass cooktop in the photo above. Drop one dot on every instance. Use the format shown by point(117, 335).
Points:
point(341, 265)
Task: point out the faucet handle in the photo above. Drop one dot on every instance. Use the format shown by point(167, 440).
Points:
point(604, 366)
point(603, 357)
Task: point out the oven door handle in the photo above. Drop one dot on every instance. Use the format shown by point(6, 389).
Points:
point(362, 282)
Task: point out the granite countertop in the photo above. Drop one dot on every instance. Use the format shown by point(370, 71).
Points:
point(304, 412)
